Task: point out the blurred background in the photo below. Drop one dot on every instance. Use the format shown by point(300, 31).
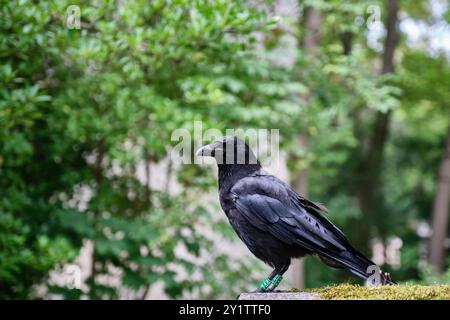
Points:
point(93, 207)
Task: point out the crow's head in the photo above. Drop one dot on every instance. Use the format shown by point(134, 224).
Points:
point(228, 150)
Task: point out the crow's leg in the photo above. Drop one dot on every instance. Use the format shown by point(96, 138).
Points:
point(274, 279)
point(265, 284)
point(278, 277)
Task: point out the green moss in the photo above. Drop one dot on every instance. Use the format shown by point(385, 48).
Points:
point(399, 292)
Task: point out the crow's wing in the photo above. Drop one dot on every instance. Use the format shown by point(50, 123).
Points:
point(272, 206)
point(290, 224)
point(266, 181)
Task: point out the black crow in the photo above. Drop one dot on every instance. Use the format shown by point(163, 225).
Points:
point(275, 222)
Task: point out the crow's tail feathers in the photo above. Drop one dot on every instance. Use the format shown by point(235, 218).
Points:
point(360, 266)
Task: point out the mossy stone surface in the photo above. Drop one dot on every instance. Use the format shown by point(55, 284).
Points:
point(397, 292)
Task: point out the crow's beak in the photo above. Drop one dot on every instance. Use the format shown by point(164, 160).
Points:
point(205, 151)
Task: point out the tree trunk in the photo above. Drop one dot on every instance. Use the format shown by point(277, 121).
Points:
point(440, 213)
point(311, 41)
point(368, 190)
point(391, 37)
point(347, 42)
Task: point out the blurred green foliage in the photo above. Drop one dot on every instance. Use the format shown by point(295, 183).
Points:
point(73, 101)
point(75, 105)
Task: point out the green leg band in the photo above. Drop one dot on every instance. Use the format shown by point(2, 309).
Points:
point(264, 286)
point(275, 281)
